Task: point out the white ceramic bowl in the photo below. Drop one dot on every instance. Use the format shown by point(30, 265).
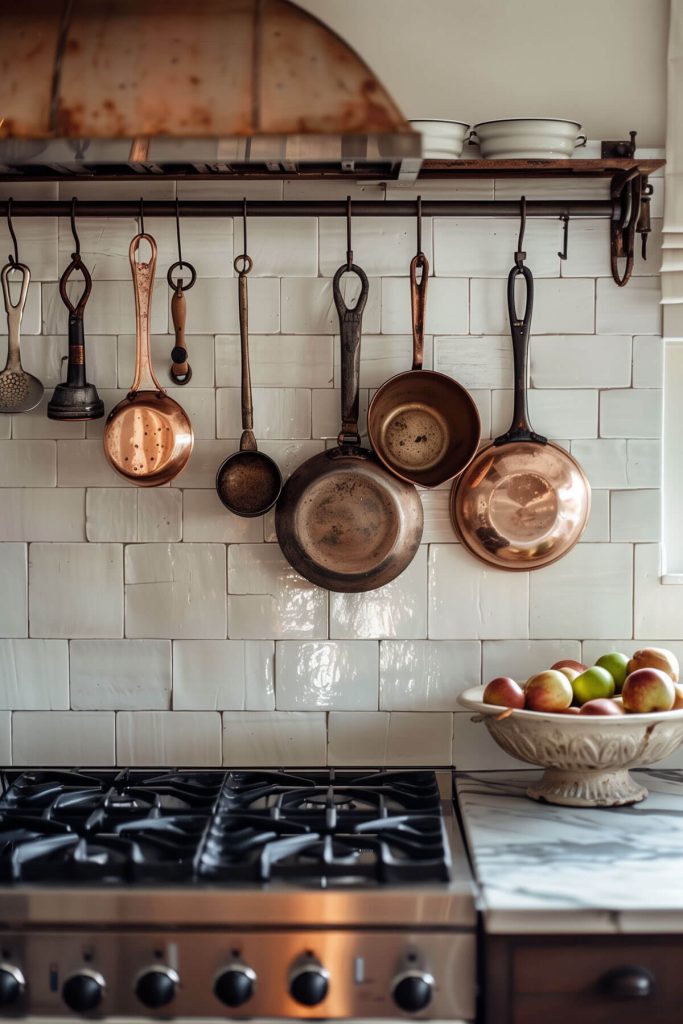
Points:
point(586, 757)
point(441, 140)
point(528, 138)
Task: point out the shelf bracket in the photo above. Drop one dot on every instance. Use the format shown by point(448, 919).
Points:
point(630, 194)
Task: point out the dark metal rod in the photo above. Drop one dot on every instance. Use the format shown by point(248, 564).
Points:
point(303, 208)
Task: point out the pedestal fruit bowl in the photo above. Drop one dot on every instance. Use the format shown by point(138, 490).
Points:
point(586, 758)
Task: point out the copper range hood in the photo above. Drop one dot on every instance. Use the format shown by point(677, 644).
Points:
point(189, 88)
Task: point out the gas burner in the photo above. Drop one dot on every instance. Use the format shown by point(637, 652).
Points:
point(320, 827)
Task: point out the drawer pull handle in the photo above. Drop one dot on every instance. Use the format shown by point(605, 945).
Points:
point(628, 983)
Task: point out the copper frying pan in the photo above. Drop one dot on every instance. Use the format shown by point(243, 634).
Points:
point(523, 502)
point(148, 437)
point(423, 425)
point(342, 520)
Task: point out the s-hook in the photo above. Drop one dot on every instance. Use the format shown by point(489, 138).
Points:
point(520, 255)
point(181, 371)
point(418, 292)
point(13, 260)
point(564, 217)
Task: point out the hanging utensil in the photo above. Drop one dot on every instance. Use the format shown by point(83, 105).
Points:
point(181, 371)
point(148, 436)
point(342, 521)
point(422, 424)
point(523, 502)
point(248, 482)
point(76, 399)
point(19, 391)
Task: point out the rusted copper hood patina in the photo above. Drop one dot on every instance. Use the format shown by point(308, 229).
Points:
point(171, 87)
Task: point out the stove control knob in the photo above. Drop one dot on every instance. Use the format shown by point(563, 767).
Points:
point(309, 983)
point(412, 990)
point(234, 986)
point(156, 986)
point(83, 991)
point(12, 984)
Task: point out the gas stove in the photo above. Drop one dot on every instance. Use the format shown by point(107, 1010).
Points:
point(233, 893)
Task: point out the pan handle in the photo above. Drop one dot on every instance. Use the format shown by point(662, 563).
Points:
point(418, 302)
point(15, 312)
point(143, 282)
point(350, 327)
point(520, 328)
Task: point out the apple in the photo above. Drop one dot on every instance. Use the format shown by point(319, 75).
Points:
point(655, 657)
point(548, 691)
point(594, 683)
point(648, 689)
point(617, 666)
point(504, 692)
point(568, 663)
point(601, 706)
point(572, 711)
point(570, 673)
point(678, 699)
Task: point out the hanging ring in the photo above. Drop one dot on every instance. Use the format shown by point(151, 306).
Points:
point(520, 255)
point(12, 259)
point(349, 250)
point(243, 263)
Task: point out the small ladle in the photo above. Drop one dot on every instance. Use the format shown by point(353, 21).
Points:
point(19, 391)
point(248, 482)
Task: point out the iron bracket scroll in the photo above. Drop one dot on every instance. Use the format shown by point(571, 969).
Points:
point(631, 193)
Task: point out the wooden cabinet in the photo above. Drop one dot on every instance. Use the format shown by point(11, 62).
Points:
point(582, 979)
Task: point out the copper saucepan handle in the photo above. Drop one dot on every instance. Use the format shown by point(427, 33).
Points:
point(350, 327)
point(143, 283)
point(520, 328)
point(418, 303)
point(243, 265)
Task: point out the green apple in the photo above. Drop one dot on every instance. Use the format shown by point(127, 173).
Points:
point(617, 666)
point(593, 683)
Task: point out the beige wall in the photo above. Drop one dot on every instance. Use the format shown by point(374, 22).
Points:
point(601, 62)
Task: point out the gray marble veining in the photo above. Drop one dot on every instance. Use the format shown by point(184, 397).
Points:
point(543, 867)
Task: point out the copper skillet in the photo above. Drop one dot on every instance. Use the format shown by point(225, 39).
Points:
point(423, 425)
point(523, 502)
point(148, 437)
point(342, 521)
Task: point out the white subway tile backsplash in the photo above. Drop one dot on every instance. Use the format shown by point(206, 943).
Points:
point(382, 246)
point(168, 737)
point(34, 424)
point(447, 306)
point(633, 310)
point(288, 739)
point(468, 599)
point(397, 610)
point(475, 362)
point(175, 591)
point(217, 675)
point(483, 246)
point(520, 659)
point(603, 461)
point(327, 675)
point(437, 516)
point(383, 355)
point(212, 307)
point(111, 513)
point(643, 463)
point(598, 526)
point(160, 515)
point(76, 590)
point(278, 413)
point(82, 464)
point(588, 593)
point(285, 361)
point(14, 590)
point(554, 413)
point(267, 599)
point(63, 738)
point(648, 361)
point(426, 675)
point(42, 513)
point(588, 253)
point(200, 406)
point(576, 361)
point(630, 412)
point(200, 349)
point(280, 246)
point(636, 515)
point(205, 518)
point(111, 309)
point(389, 738)
point(45, 357)
point(475, 750)
point(31, 318)
point(5, 738)
point(28, 464)
point(308, 305)
point(658, 610)
point(326, 412)
point(561, 306)
point(34, 674)
point(120, 675)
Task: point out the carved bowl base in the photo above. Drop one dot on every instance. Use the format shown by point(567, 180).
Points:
point(587, 788)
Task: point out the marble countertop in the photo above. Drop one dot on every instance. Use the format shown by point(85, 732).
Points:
point(550, 869)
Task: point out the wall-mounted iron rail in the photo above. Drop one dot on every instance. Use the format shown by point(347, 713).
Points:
point(627, 210)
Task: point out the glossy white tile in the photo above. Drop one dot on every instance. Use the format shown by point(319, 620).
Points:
point(425, 675)
point(286, 361)
point(205, 518)
point(217, 675)
point(308, 304)
point(577, 361)
point(111, 513)
point(14, 590)
point(648, 361)
point(483, 246)
point(76, 590)
point(554, 413)
point(631, 412)
point(34, 674)
point(280, 246)
point(520, 659)
point(382, 246)
point(560, 306)
point(278, 413)
point(326, 675)
point(165, 738)
point(468, 599)
point(378, 738)
point(447, 306)
point(120, 675)
point(5, 738)
point(63, 738)
point(263, 739)
point(475, 362)
point(267, 599)
point(200, 350)
point(160, 514)
point(28, 464)
point(636, 515)
point(632, 310)
point(658, 609)
point(38, 513)
point(396, 610)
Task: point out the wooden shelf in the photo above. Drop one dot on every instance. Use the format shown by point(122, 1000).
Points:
point(535, 168)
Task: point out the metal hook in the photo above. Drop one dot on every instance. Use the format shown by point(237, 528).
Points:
point(419, 225)
point(243, 263)
point(564, 217)
point(177, 231)
point(349, 250)
point(244, 226)
point(77, 242)
point(520, 255)
point(141, 217)
point(13, 260)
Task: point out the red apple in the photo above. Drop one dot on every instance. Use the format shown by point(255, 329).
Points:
point(655, 657)
point(504, 692)
point(572, 711)
point(648, 689)
point(678, 699)
point(548, 691)
point(568, 663)
point(570, 673)
point(601, 706)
